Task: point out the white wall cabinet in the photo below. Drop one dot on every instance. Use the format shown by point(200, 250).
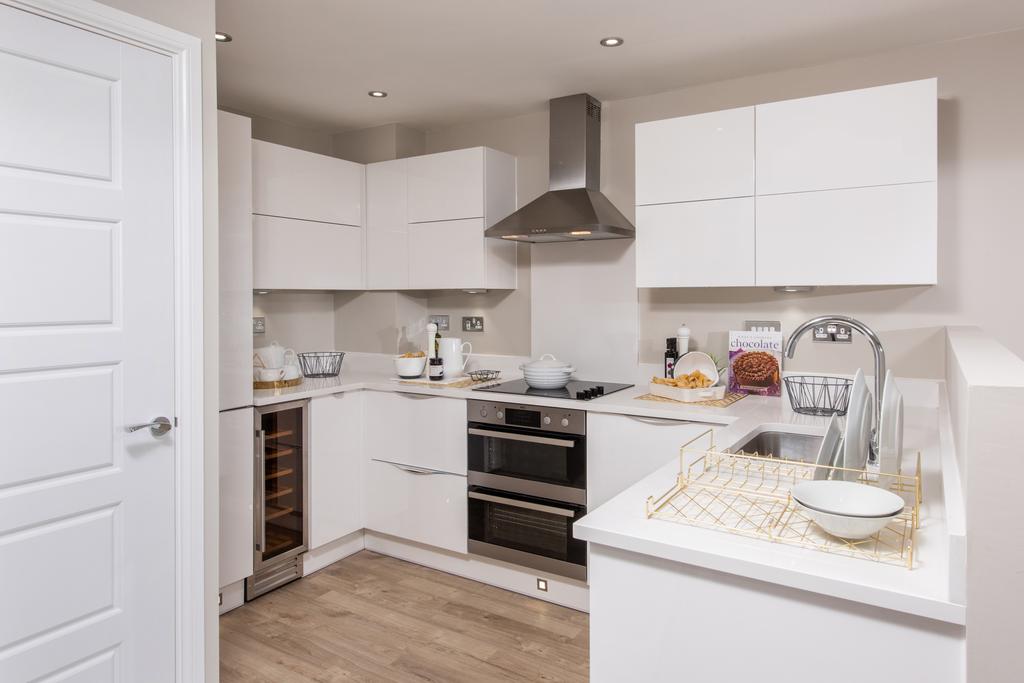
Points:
point(843, 192)
point(859, 236)
point(234, 151)
point(418, 430)
point(237, 454)
point(293, 183)
point(691, 158)
point(297, 254)
point(875, 136)
point(447, 185)
point(696, 244)
point(387, 229)
point(623, 449)
point(422, 506)
point(335, 469)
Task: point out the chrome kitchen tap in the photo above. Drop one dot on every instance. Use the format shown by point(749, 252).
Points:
point(876, 347)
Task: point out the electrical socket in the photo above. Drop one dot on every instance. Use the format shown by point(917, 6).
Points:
point(259, 325)
point(833, 333)
point(440, 320)
point(473, 323)
point(763, 325)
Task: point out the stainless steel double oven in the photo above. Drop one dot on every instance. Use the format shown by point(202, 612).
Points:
point(527, 484)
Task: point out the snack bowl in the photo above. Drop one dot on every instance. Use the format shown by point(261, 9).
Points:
point(410, 368)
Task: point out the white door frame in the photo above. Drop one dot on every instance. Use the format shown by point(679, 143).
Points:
point(185, 53)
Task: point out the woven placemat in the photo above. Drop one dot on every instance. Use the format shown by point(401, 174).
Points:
point(723, 402)
point(461, 384)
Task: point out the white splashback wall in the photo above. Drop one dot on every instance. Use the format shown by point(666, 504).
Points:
point(584, 307)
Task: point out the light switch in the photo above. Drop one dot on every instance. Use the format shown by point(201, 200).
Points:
point(473, 323)
point(440, 320)
point(259, 325)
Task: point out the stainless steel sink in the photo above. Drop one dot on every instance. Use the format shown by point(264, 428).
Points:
point(778, 444)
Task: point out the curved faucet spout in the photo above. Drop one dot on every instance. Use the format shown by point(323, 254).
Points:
point(876, 348)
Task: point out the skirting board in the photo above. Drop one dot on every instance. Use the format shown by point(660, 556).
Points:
point(232, 596)
point(561, 591)
point(329, 553)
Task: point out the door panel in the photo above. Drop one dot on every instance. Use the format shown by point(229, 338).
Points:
point(290, 254)
point(237, 432)
point(425, 507)
point(447, 255)
point(294, 183)
point(446, 186)
point(696, 244)
point(86, 347)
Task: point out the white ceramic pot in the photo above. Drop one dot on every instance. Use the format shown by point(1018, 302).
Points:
point(410, 368)
point(454, 355)
point(547, 372)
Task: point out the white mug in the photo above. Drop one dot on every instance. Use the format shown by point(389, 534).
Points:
point(270, 374)
point(454, 355)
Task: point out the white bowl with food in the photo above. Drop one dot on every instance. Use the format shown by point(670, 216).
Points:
point(410, 365)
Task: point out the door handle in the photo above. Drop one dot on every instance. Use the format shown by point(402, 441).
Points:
point(528, 438)
point(159, 426)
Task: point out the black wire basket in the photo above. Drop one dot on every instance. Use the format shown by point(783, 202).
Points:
point(816, 395)
point(321, 363)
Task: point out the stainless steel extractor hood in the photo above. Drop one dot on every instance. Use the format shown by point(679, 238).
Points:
point(573, 208)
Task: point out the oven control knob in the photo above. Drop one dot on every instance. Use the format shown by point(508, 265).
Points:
point(565, 422)
point(500, 415)
point(547, 420)
point(483, 412)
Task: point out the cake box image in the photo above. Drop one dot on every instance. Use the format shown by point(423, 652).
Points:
point(755, 363)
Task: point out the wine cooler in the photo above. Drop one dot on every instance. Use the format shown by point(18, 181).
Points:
point(280, 501)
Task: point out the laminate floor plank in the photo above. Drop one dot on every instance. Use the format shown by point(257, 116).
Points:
point(371, 617)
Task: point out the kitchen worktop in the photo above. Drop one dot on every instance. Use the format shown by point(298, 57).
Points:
point(933, 589)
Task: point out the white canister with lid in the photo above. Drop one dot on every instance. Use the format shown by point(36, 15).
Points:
point(682, 339)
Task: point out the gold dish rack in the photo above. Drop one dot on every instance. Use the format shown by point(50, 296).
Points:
point(749, 495)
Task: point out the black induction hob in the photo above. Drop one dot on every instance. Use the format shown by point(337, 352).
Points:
point(575, 389)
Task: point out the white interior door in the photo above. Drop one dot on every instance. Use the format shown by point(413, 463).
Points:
point(87, 526)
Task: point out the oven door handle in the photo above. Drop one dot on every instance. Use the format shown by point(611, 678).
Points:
point(528, 438)
point(522, 504)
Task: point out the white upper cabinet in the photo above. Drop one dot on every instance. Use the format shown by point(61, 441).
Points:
point(446, 185)
point(692, 158)
point(293, 183)
point(426, 218)
point(875, 136)
point(696, 244)
point(234, 152)
point(293, 254)
point(842, 192)
point(387, 231)
point(859, 236)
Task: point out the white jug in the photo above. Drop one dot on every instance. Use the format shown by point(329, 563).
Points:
point(273, 356)
point(454, 356)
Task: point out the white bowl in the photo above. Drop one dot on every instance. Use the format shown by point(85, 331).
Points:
point(547, 375)
point(848, 499)
point(410, 368)
point(845, 526)
point(697, 360)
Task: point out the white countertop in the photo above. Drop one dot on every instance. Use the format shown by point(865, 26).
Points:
point(621, 522)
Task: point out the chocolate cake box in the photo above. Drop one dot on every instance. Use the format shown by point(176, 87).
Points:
point(755, 363)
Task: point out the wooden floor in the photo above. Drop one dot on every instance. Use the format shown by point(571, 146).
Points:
point(375, 618)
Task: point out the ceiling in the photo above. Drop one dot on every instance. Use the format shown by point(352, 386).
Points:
point(311, 62)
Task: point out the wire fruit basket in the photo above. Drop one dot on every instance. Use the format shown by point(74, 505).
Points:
point(818, 395)
point(321, 363)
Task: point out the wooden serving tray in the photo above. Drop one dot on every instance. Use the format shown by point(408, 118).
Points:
point(277, 384)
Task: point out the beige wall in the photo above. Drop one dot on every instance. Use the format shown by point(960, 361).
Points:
point(981, 207)
point(303, 321)
point(380, 143)
point(196, 17)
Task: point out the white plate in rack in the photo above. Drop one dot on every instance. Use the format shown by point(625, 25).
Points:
point(890, 431)
point(830, 445)
point(856, 438)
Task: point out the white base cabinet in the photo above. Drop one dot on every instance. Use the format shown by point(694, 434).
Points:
point(418, 430)
point(424, 506)
point(237, 457)
point(335, 468)
point(623, 449)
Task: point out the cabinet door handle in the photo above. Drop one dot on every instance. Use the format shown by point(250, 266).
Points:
point(413, 470)
point(260, 526)
point(411, 395)
point(658, 420)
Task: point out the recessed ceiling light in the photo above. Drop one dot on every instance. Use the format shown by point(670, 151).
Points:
point(377, 93)
point(612, 41)
point(223, 37)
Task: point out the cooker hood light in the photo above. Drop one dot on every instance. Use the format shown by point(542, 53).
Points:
point(573, 209)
